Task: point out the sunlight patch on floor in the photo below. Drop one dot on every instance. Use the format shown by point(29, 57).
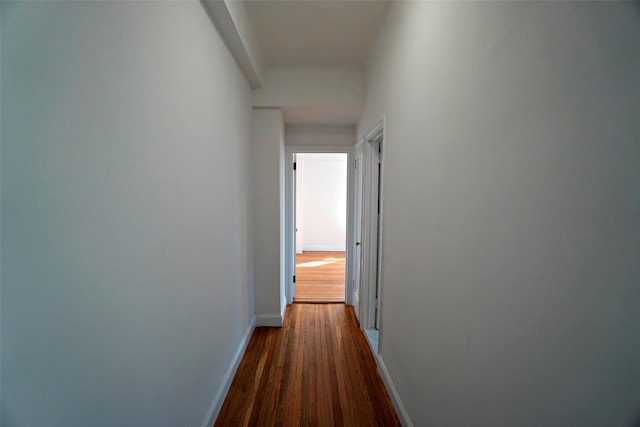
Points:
point(319, 263)
point(314, 263)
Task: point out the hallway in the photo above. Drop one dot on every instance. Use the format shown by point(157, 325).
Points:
point(315, 370)
point(159, 162)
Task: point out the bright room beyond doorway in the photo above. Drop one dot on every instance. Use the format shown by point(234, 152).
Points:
point(321, 217)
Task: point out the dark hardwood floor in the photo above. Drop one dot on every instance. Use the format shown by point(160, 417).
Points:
point(317, 370)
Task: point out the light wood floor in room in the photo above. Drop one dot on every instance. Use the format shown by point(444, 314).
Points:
point(317, 370)
point(320, 276)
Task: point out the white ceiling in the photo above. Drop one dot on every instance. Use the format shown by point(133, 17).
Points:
point(315, 32)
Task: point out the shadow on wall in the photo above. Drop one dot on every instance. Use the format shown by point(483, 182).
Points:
point(636, 421)
point(6, 9)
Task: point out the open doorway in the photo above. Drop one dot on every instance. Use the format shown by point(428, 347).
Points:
point(321, 183)
point(329, 255)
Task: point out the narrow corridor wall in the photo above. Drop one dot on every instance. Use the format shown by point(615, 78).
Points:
point(267, 135)
point(511, 241)
point(127, 281)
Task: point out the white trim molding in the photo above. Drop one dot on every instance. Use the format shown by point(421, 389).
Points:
point(220, 395)
point(401, 411)
point(290, 244)
point(372, 226)
point(269, 320)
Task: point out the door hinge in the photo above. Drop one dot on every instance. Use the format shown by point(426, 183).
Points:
point(294, 165)
point(356, 163)
point(294, 279)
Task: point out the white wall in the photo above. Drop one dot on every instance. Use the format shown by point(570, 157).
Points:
point(511, 246)
point(268, 213)
point(323, 180)
point(314, 135)
point(316, 95)
point(342, 87)
point(127, 283)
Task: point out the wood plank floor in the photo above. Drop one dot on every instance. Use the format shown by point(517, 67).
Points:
point(320, 276)
point(317, 370)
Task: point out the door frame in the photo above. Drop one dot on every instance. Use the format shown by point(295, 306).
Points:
point(290, 225)
point(358, 205)
point(371, 226)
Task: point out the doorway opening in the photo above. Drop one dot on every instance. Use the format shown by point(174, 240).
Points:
point(319, 224)
point(320, 184)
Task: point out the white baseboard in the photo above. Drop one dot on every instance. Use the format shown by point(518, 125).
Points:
point(218, 399)
point(393, 393)
point(324, 248)
point(270, 320)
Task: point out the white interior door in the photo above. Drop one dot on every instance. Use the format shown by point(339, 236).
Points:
point(294, 224)
point(298, 201)
point(378, 220)
point(357, 251)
